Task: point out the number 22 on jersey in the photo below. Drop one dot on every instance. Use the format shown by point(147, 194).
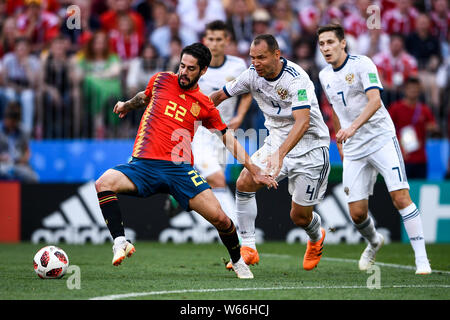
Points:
point(176, 111)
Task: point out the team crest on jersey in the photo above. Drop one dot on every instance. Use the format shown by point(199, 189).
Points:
point(283, 93)
point(350, 78)
point(195, 109)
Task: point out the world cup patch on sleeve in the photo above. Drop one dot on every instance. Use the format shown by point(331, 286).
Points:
point(302, 96)
point(373, 78)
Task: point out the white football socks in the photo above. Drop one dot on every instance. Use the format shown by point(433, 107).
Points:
point(119, 240)
point(313, 229)
point(367, 230)
point(246, 211)
point(413, 226)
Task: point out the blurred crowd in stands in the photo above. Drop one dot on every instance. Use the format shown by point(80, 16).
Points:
point(65, 63)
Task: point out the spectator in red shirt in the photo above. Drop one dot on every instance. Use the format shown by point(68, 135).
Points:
point(440, 17)
point(110, 19)
point(361, 39)
point(13, 7)
point(400, 19)
point(125, 40)
point(38, 25)
point(413, 120)
point(395, 65)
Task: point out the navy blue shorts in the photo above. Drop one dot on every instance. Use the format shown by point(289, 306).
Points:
point(150, 176)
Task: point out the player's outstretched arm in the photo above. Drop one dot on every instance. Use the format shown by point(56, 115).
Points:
point(373, 104)
point(140, 100)
point(218, 96)
point(238, 151)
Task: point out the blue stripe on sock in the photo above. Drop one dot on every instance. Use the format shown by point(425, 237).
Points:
point(363, 224)
point(411, 215)
point(245, 194)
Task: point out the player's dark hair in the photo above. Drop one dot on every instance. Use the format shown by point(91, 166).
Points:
point(334, 27)
point(200, 52)
point(272, 43)
point(217, 25)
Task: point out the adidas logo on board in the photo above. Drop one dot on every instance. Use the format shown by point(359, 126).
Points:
point(78, 221)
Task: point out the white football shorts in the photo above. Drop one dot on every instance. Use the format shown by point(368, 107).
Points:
point(307, 174)
point(359, 176)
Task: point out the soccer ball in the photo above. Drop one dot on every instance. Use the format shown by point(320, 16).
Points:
point(50, 262)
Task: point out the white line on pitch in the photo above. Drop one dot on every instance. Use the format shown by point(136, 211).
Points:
point(153, 293)
point(382, 264)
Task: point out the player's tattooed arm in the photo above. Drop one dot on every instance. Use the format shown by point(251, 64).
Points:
point(140, 100)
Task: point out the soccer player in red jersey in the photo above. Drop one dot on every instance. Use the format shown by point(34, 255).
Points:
point(162, 158)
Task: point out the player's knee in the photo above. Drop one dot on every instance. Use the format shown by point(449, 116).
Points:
point(358, 211)
point(401, 199)
point(359, 217)
point(224, 222)
point(221, 220)
point(299, 221)
point(100, 185)
point(299, 218)
point(104, 183)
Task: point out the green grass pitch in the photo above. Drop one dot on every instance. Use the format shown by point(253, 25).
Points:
point(195, 272)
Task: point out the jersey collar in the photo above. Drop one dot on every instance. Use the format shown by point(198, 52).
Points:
point(342, 65)
point(217, 67)
point(281, 72)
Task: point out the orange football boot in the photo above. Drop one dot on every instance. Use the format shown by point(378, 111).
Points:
point(249, 255)
point(313, 253)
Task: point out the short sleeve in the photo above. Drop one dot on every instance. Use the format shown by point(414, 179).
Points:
point(238, 86)
point(213, 120)
point(149, 88)
point(368, 74)
point(302, 93)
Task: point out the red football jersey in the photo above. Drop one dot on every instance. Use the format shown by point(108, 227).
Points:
point(171, 118)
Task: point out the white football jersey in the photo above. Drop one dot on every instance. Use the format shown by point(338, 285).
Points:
point(216, 77)
point(345, 88)
point(277, 98)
